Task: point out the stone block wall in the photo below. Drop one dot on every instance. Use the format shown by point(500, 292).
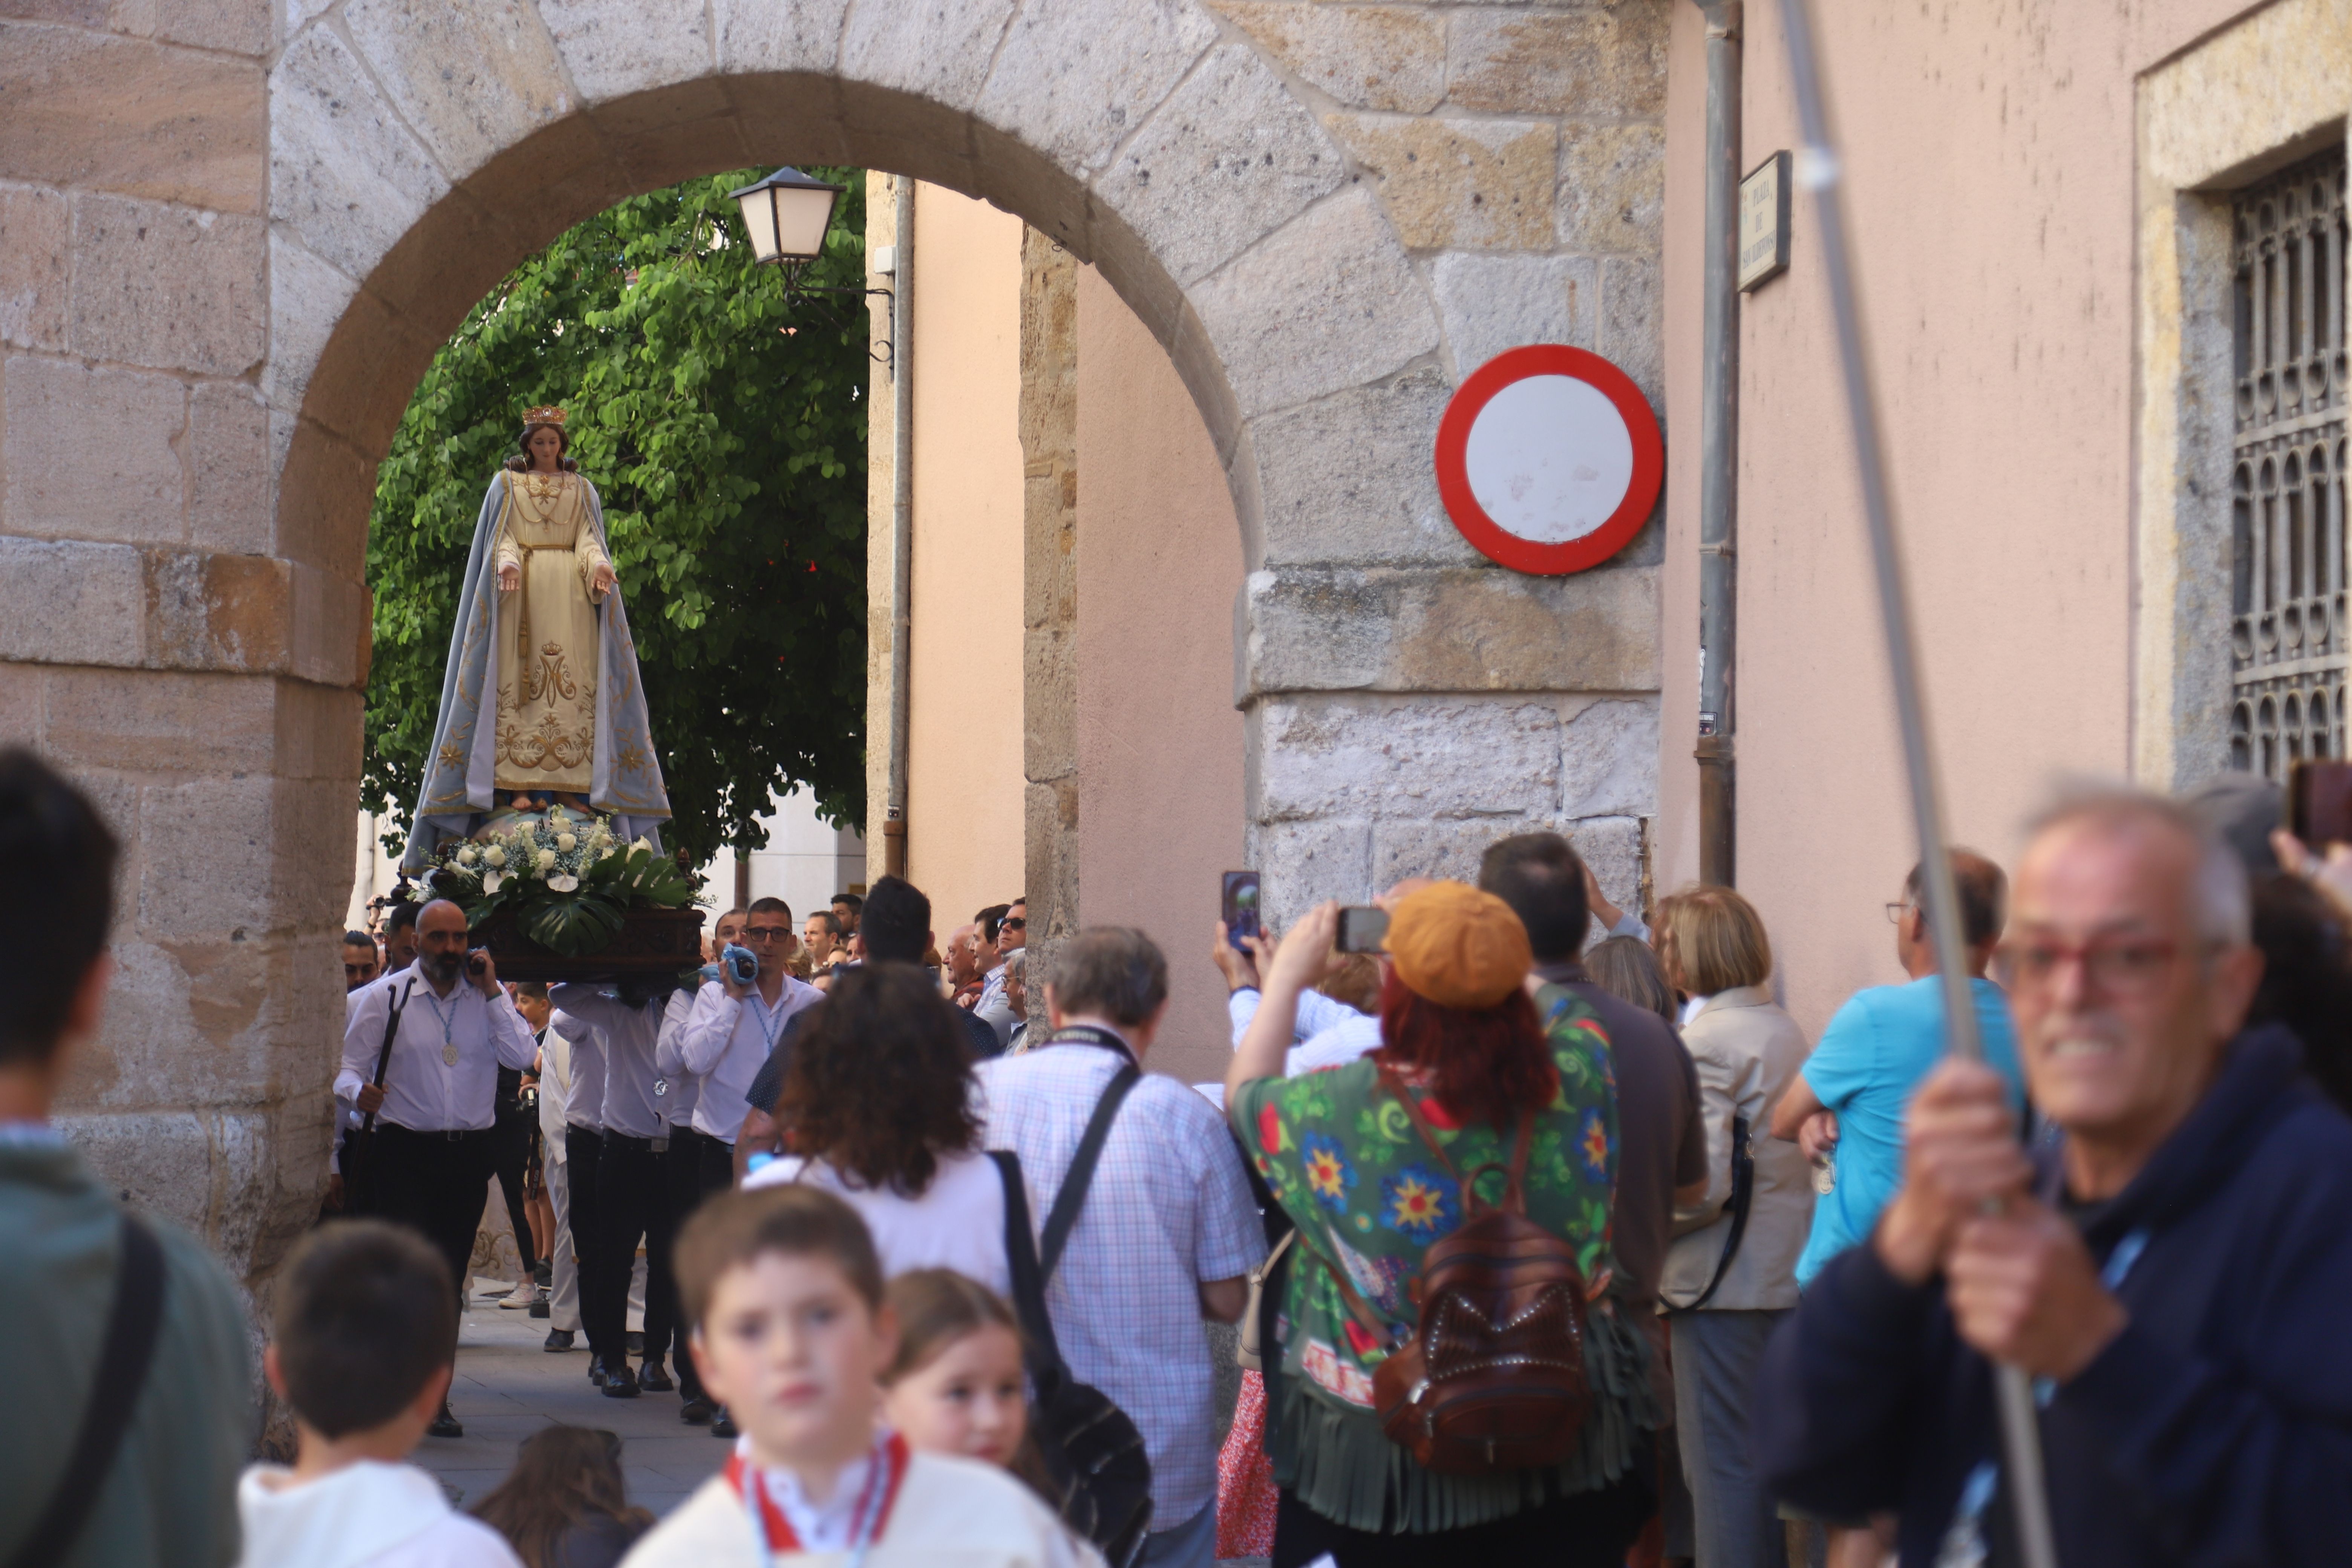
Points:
point(232, 234)
point(195, 670)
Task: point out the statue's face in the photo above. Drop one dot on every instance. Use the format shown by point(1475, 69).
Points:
point(546, 448)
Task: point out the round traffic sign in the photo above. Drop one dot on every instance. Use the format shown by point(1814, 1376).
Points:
point(1549, 459)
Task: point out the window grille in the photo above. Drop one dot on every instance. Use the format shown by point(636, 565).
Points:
point(2289, 637)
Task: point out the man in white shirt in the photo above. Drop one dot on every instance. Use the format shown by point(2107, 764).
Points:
point(680, 1091)
point(632, 1182)
point(584, 1151)
point(1168, 1230)
point(731, 1030)
point(554, 1093)
point(434, 1149)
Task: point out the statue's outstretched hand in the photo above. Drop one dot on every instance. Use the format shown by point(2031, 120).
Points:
point(602, 582)
point(510, 577)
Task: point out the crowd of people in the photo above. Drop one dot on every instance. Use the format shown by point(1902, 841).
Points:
point(1546, 1234)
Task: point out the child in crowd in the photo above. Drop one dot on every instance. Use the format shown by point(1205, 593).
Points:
point(367, 1320)
point(956, 1385)
point(565, 1504)
point(785, 1294)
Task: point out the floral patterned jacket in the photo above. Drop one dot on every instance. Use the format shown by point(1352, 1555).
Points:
point(1342, 1158)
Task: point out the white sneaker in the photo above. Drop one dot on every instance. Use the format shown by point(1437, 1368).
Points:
point(525, 1296)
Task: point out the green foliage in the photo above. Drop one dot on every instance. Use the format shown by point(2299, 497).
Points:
point(724, 425)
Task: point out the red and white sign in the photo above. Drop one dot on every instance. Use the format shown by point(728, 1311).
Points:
point(1549, 459)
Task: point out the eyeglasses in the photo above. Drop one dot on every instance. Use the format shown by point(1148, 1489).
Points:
point(1013, 923)
point(767, 933)
point(2115, 966)
point(1896, 910)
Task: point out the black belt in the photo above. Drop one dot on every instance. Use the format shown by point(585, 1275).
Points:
point(631, 1140)
point(439, 1134)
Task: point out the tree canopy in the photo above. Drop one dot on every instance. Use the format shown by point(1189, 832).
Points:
point(724, 425)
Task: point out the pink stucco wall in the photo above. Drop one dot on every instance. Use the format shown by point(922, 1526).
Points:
point(1160, 744)
point(964, 774)
point(1990, 177)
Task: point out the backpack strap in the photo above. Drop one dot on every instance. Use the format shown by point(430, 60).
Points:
point(124, 1353)
point(1514, 1192)
point(1063, 1215)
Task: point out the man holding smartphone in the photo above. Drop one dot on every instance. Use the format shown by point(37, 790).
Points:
point(435, 1100)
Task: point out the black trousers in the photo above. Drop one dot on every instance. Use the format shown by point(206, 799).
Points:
point(437, 1183)
point(511, 1136)
point(717, 1166)
point(1590, 1529)
point(631, 1205)
point(682, 1172)
point(584, 1154)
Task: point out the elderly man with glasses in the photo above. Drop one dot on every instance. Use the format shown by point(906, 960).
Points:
point(2173, 1267)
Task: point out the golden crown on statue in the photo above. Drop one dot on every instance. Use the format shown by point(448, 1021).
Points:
point(531, 416)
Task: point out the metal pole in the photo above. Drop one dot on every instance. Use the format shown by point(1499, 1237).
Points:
point(902, 521)
point(1718, 462)
point(1818, 171)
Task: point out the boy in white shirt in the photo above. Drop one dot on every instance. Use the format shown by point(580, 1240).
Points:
point(784, 1293)
point(367, 1318)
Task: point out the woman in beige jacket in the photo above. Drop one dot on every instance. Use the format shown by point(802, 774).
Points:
point(1726, 1292)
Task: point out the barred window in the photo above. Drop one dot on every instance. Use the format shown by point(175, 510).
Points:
point(2289, 638)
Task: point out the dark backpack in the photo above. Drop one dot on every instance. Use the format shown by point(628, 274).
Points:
point(1492, 1376)
point(1091, 1447)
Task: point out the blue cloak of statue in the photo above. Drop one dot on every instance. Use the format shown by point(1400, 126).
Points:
point(625, 780)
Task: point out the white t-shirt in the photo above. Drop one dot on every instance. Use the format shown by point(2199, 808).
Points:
point(958, 1223)
point(367, 1515)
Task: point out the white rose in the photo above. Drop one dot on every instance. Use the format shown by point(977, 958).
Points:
point(468, 856)
point(546, 858)
point(495, 856)
point(491, 883)
point(563, 884)
point(554, 814)
point(566, 842)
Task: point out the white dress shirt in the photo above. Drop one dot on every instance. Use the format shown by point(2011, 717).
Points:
point(554, 1089)
point(583, 1103)
point(630, 1036)
point(1329, 1032)
point(726, 1042)
point(424, 1092)
point(683, 1090)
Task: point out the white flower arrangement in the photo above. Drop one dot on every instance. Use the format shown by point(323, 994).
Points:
point(566, 878)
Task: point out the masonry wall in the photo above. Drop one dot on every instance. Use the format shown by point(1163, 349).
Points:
point(232, 234)
point(191, 662)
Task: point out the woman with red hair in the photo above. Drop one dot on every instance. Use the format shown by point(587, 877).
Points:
point(1367, 1161)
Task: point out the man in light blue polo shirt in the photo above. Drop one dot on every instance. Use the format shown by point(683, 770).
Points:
point(1850, 1099)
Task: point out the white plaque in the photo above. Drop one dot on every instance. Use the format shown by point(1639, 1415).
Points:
point(1764, 221)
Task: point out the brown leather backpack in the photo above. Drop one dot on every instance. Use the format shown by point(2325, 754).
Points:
point(1492, 1377)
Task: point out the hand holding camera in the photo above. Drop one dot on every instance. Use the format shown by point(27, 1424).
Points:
point(738, 970)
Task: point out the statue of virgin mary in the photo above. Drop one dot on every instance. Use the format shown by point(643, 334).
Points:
point(542, 632)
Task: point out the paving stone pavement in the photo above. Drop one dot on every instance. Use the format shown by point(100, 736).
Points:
point(506, 1388)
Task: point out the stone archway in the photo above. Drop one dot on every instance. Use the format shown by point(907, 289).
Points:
point(1323, 212)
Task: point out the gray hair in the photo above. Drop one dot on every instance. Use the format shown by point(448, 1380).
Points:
point(1016, 963)
point(1113, 971)
point(2221, 900)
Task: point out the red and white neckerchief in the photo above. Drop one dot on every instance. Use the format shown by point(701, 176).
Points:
point(885, 1469)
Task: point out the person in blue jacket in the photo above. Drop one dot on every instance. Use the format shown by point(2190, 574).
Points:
point(2175, 1271)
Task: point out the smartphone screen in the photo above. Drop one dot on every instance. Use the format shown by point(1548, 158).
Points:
point(1240, 906)
point(1362, 929)
point(2319, 803)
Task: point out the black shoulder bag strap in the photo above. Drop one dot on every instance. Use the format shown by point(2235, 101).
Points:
point(1743, 1190)
point(391, 1032)
point(1028, 1280)
point(1031, 1264)
point(122, 1359)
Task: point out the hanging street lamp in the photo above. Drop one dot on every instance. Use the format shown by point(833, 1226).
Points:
point(788, 213)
